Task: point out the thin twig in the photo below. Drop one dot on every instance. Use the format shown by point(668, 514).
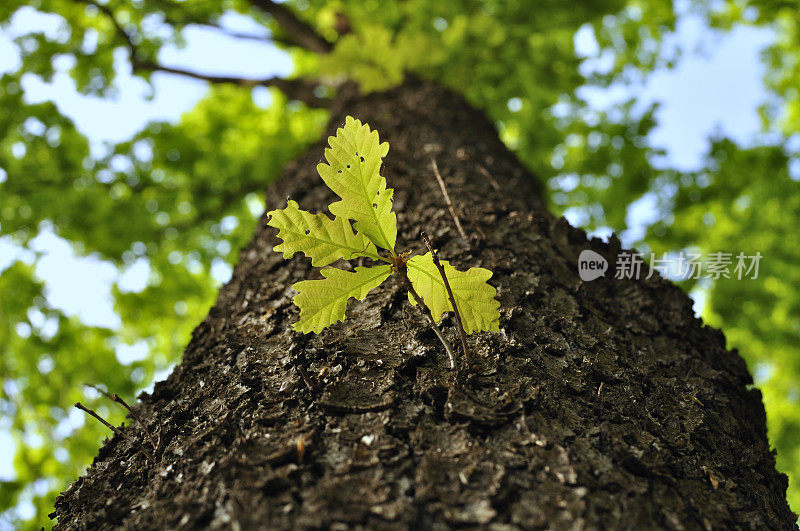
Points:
point(488, 175)
point(116, 398)
point(447, 199)
point(450, 295)
point(101, 419)
point(427, 313)
point(100, 390)
point(116, 430)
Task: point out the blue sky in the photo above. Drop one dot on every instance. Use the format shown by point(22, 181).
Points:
point(718, 89)
point(716, 86)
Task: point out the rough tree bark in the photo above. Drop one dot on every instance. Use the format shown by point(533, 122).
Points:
point(601, 404)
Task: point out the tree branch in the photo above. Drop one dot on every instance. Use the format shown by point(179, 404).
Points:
point(299, 31)
point(104, 9)
point(226, 32)
point(301, 90)
point(297, 89)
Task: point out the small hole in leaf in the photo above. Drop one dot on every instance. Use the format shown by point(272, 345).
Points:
point(308, 232)
point(348, 166)
point(340, 171)
point(377, 193)
point(362, 159)
point(374, 205)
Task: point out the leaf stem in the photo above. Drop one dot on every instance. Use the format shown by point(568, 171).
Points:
point(450, 295)
point(427, 313)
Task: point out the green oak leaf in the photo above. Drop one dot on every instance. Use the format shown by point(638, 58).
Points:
point(353, 173)
point(323, 302)
point(319, 237)
point(474, 296)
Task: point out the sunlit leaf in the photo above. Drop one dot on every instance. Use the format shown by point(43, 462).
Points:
point(322, 302)
point(474, 296)
point(319, 237)
point(353, 173)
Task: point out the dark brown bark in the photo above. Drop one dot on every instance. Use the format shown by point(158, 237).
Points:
point(604, 404)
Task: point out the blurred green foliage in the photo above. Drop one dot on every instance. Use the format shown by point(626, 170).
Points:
point(183, 197)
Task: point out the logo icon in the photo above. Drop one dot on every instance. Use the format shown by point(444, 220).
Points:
point(591, 265)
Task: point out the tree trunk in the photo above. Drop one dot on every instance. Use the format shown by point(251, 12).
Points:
point(602, 404)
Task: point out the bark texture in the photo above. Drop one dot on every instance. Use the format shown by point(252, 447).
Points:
point(602, 404)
